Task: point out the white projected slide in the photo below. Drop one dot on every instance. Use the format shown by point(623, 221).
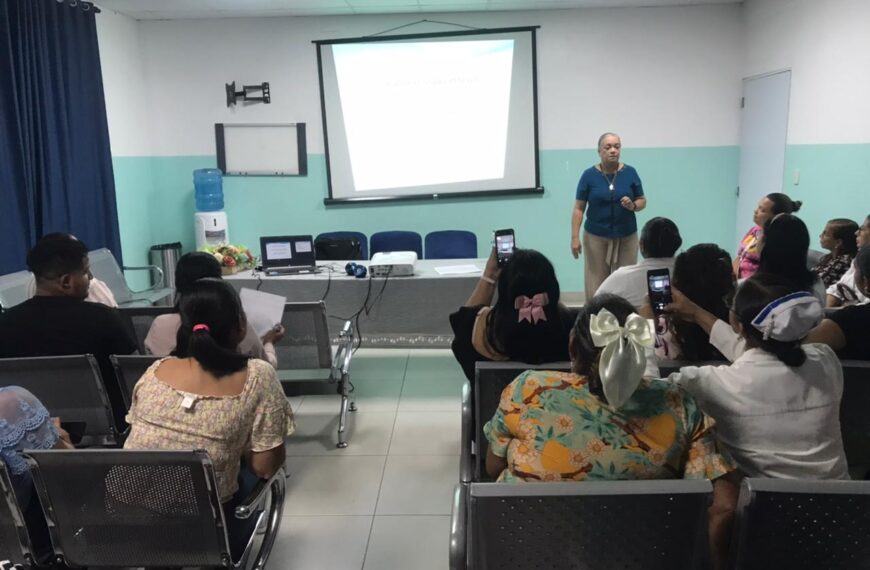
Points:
point(424, 113)
point(278, 250)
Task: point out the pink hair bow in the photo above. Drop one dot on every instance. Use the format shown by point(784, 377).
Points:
point(531, 309)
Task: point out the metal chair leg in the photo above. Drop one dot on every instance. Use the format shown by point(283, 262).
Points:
point(342, 416)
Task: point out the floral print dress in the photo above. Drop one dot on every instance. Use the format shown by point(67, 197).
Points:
point(258, 419)
point(551, 427)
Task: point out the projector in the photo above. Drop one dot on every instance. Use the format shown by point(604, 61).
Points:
point(393, 264)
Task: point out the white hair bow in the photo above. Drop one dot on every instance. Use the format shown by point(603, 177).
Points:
point(624, 357)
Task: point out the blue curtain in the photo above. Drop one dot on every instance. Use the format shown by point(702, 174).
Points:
point(55, 159)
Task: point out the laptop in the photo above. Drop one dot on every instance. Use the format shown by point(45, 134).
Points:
point(286, 255)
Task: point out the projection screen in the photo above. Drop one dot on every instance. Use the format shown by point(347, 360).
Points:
point(430, 115)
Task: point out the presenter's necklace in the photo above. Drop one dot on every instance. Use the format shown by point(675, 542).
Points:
point(610, 181)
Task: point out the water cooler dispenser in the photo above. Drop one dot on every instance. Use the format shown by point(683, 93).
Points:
point(210, 221)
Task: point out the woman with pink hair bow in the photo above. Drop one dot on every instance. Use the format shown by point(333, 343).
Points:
point(527, 322)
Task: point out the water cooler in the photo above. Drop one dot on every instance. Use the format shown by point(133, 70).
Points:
point(210, 221)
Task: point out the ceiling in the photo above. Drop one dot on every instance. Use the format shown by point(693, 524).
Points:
point(176, 9)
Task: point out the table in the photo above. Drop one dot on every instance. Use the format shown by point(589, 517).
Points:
point(404, 312)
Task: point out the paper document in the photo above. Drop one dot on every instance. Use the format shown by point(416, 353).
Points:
point(458, 269)
point(264, 310)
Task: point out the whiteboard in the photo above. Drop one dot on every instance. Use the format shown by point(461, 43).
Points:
point(267, 149)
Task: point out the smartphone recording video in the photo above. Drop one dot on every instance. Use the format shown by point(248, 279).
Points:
point(504, 246)
point(659, 285)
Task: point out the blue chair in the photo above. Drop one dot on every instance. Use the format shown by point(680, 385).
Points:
point(363, 240)
point(397, 241)
point(451, 244)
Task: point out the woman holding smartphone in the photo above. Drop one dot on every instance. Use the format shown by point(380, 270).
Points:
point(608, 195)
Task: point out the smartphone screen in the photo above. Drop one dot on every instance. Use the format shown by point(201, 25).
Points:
point(504, 245)
point(659, 284)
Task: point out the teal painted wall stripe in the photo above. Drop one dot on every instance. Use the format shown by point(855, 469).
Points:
point(694, 186)
point(834, 183)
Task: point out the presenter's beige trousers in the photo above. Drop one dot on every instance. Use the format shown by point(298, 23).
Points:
point(603, 256)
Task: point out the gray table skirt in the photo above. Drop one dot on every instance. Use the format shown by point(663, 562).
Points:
point(403, 312)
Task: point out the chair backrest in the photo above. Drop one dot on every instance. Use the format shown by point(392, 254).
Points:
point(668, 367)
point(802, 524)
point(70, 387)
point(854, 418)
point(490, 379)
point(451, 244)
point(15, 288)
point(359, 236)
point(397, 241)
point(128, 370)
point(630, 525)
point(306, 344)
point(139, 319)
point(14, 537)
point(105, 267)
point(131, 508)
point(813, 257)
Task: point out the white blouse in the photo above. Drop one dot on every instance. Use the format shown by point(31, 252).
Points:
point(774, 420)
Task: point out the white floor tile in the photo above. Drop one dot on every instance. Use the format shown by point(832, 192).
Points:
point(418, 485)
point(317, 433)
point(426, 433)
point(433, 383)
point(375, 394)
point(321, 542)
point(409, 542)
point(333, 485)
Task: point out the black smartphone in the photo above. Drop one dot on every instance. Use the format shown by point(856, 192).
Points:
point(659, 284)
point(504, 246)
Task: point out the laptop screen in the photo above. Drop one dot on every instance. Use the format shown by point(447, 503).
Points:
point(287, 251)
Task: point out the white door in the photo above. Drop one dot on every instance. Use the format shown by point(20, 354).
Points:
point(762, 142)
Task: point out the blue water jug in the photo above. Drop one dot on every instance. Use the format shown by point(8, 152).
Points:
point(209, 189)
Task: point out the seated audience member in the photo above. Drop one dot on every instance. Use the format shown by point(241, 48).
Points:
point(210, 396)
point(58, 321)
point(703, 273)
point(846, 291)
point(777, 406)
point(839, 239)
point(659, 241)
point(527, 322)
point(602, 421)
point(784, 248)
point(98, 292)
point(160, 340)
point(747, 259)
point(847, 330)
point(25, 424)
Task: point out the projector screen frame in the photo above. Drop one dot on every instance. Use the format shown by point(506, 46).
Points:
point(538, 189)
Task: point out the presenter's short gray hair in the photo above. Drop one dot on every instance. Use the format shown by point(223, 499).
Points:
point(605, 135)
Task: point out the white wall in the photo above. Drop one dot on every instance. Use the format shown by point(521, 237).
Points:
point(122, 61)
point(826, 44)
point(659, 76)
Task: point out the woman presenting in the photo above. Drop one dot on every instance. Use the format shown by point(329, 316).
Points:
point(612, 191)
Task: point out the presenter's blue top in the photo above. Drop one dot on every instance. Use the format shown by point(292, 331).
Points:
point(605, 216)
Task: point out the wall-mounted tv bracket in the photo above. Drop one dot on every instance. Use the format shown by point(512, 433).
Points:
point(253, 93)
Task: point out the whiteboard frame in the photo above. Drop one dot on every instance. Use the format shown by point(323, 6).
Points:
point(220, 132)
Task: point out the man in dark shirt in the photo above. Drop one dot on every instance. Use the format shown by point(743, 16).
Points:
point(57, 321)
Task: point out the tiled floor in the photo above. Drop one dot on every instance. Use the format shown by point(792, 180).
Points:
point(384, 502)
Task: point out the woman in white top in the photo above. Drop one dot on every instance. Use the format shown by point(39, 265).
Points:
point(160, 340)
point(659, 241)
point(777, 406)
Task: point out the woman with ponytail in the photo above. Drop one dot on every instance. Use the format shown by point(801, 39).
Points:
point(777, 405)
point(209, 396)
point(748, 253)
